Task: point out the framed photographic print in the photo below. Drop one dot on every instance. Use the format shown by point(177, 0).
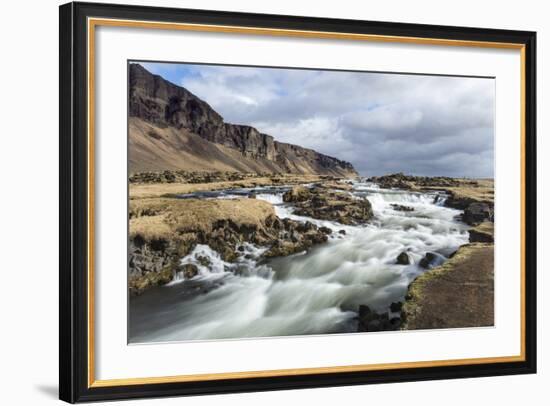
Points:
point(256, 202)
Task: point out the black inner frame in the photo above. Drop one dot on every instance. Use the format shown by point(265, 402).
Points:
point(73, 197)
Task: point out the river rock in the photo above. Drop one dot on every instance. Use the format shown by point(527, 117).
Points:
point(189, 270)
point(204, 261)
point(327, 204)
point(428, 260)
point(325, 230)
point(477, 212)
point(396, 307)
point(400, 207)
point(403, 259)
point(370, 321)
point(296, 237)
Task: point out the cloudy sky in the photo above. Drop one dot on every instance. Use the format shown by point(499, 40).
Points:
point(381, 123)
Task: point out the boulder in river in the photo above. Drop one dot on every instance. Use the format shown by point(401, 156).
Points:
point(428, 260)
point(403, 259)
point(325, 230)
point(400, 207)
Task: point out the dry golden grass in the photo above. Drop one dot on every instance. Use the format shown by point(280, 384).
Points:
point(483, 191)
point(150, 227)
point(138, 191)
point(487, 227)
point(164, 218)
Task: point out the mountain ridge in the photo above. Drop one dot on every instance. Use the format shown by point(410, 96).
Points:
point(167, 121)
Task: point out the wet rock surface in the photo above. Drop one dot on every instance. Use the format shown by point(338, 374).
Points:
point(325, 203)
point(403, 259)
point(189, 270)
point(400, 207)
point(370, 321)
point(428, 261)
point(396, 307)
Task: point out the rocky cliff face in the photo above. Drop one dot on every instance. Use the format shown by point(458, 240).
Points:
point(163, 104)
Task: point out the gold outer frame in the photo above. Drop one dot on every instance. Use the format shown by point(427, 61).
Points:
point(92, 23)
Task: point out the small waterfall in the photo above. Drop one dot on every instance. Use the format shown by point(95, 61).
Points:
point(210, 265)
point(273, 198)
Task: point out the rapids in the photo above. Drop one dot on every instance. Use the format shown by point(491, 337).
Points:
point(313, 292)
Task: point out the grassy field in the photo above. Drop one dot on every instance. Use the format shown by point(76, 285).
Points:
point(165, 218)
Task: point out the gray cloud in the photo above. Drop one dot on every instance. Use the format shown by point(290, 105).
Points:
point(425, 125)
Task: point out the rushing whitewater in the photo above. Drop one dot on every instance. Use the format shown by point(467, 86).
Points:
point(313, 292)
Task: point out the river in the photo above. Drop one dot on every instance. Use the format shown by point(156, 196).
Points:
point(313, 292)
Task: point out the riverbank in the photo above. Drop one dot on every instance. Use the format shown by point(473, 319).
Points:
point(459, 293)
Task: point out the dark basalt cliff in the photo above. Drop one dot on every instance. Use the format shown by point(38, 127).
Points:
point(163, 105)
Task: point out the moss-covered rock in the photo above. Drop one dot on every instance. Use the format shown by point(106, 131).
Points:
point(138, 284)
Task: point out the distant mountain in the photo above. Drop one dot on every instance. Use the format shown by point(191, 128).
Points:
point(172, 129)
